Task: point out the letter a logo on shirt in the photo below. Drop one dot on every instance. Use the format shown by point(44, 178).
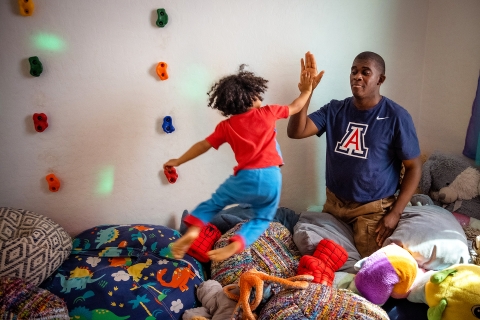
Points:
point(353, 142)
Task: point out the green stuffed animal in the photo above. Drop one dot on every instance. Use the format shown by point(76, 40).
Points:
point(452, 293)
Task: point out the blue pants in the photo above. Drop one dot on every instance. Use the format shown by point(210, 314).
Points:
point(260, 188)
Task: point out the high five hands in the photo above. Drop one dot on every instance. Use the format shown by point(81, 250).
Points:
point(310, 66)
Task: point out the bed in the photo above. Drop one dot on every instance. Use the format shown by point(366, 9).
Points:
point(127, 272)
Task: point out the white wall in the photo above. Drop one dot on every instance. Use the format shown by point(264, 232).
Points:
point(105, 103)
point(452, 65)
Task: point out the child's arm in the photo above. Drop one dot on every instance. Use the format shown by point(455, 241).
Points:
point(197, 149)
point(305, 87)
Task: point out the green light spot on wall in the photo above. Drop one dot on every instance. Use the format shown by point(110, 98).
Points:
point(197, 82)
point(47, 41)
point(105, 180)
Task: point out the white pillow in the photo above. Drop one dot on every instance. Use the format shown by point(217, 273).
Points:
point(432, 235)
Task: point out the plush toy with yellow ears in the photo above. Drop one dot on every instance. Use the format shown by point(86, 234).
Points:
point(454, 293)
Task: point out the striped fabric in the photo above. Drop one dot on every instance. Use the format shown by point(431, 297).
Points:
point(320, 302)
point(274, 253)
point(22, 300)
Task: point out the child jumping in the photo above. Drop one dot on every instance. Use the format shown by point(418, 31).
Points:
point(256, 180)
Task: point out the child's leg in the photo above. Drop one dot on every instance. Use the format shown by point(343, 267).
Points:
point(248, 233)
point(261, 188)
point(202, 214)
point(225, 195)
point(181, 246)
point(225, 252)
point(265, 205)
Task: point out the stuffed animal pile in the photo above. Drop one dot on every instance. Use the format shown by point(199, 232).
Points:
point(452, 183)
point(451, 294)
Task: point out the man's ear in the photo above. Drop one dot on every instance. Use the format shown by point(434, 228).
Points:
point(381, 79)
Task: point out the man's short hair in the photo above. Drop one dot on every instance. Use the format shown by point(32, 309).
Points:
point(368, 55)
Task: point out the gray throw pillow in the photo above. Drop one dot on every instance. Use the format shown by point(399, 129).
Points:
point(312, 227)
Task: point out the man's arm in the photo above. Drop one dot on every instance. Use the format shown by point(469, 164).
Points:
point(299, 125)
point(411, 179)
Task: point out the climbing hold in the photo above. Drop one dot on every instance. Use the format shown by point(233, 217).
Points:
point(40, 121)
point(162, 70)
point(171, 174)
point(26, 7)
point(53, 182)
point(162, 18)
point(168, 125)
point(36, 67)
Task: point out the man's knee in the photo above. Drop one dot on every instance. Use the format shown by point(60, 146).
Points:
point(365, 235)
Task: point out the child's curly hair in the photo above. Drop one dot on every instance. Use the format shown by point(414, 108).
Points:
point(234, 94)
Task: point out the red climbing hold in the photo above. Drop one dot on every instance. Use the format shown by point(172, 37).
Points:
point(171, 174)
point(40, 121)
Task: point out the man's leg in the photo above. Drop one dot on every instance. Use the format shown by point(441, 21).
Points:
point(363, 217)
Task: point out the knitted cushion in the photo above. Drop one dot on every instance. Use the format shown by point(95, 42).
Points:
point(22, 300)
point(204, 243)
point(32, 246)
point(274, 253)
point(320, 302)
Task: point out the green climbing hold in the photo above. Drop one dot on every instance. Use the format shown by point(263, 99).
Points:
point(36, 67)
point(162, 18)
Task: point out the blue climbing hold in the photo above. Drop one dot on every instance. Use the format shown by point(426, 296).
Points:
point(168, 125)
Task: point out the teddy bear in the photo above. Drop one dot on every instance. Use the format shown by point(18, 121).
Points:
point(215, 303)
point(452, 183)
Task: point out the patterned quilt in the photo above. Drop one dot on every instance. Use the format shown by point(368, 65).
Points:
point(126, 272)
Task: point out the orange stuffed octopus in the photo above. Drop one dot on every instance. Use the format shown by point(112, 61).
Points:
point(255, 279)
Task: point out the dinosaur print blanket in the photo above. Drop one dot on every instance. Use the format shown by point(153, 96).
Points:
point(126, 272)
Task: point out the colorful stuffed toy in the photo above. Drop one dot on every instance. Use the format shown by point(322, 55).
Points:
point(389, 271)
point(328, 257)
point(253, 279)
point(454, 293)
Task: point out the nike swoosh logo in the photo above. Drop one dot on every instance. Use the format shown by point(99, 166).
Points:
point(378, 118)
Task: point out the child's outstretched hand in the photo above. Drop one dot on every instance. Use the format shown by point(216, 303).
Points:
point(171, 163)
point(306, 82)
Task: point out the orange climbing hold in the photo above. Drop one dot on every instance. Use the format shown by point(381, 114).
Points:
point(26, 7)
point(53, 182)
point(162, 70)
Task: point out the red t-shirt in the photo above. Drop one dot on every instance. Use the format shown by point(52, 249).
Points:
point(252, 136)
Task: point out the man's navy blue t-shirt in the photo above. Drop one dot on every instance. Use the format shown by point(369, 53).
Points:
point(365, 148)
